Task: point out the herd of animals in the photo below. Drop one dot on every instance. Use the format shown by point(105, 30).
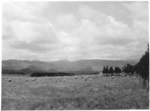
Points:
point(56, 79)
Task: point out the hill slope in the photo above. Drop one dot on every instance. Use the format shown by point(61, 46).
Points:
point(62, 65)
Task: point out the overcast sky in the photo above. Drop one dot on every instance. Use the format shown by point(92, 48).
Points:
point(74, 30)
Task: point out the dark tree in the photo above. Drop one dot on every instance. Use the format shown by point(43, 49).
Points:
point(111, 71)
point(104, 70)
point(142, 68)
point(117, 70)
point(107, 70)
point(128, 69)
point(124, 69)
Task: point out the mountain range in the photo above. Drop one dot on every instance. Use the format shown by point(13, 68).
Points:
point(27, 66)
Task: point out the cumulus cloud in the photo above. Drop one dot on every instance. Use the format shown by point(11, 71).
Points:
point(23, 11)
point(67, 22)
point(82, 33)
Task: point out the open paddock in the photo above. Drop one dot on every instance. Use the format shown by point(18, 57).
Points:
point(73, 92)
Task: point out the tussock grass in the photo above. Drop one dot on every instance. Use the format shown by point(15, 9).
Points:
point(98, 93)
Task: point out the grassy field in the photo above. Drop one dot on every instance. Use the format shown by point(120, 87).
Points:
point(73, 92)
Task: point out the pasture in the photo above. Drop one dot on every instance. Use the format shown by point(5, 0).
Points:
point(73, 93)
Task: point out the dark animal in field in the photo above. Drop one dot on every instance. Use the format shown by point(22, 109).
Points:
point(82, 77)
point(9, 80)
point(93, 78)
point(85, 79)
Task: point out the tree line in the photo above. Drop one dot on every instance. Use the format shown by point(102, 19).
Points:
point(57, 73)
point(117, 71)
point(141, 69)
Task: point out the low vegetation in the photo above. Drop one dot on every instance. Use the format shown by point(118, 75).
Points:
point(73, 93)
point(73, 73)
point(6, 71)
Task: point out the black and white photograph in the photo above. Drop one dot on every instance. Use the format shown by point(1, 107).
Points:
point(75, 55)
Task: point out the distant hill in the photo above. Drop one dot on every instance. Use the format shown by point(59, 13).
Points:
point(31, 69)
point(61, 65)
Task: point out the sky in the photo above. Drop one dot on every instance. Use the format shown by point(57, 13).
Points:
point(72, 31)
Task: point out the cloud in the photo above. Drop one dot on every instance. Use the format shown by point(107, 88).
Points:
point(140, 29)
point(82, 32)
point(109, 32)
point(67, 22)
point(92, 14)
point(137, 9)
point(32, 36)
point(33, 32)
point(23, 11)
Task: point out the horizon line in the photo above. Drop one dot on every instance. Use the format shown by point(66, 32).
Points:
point(70, 60)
